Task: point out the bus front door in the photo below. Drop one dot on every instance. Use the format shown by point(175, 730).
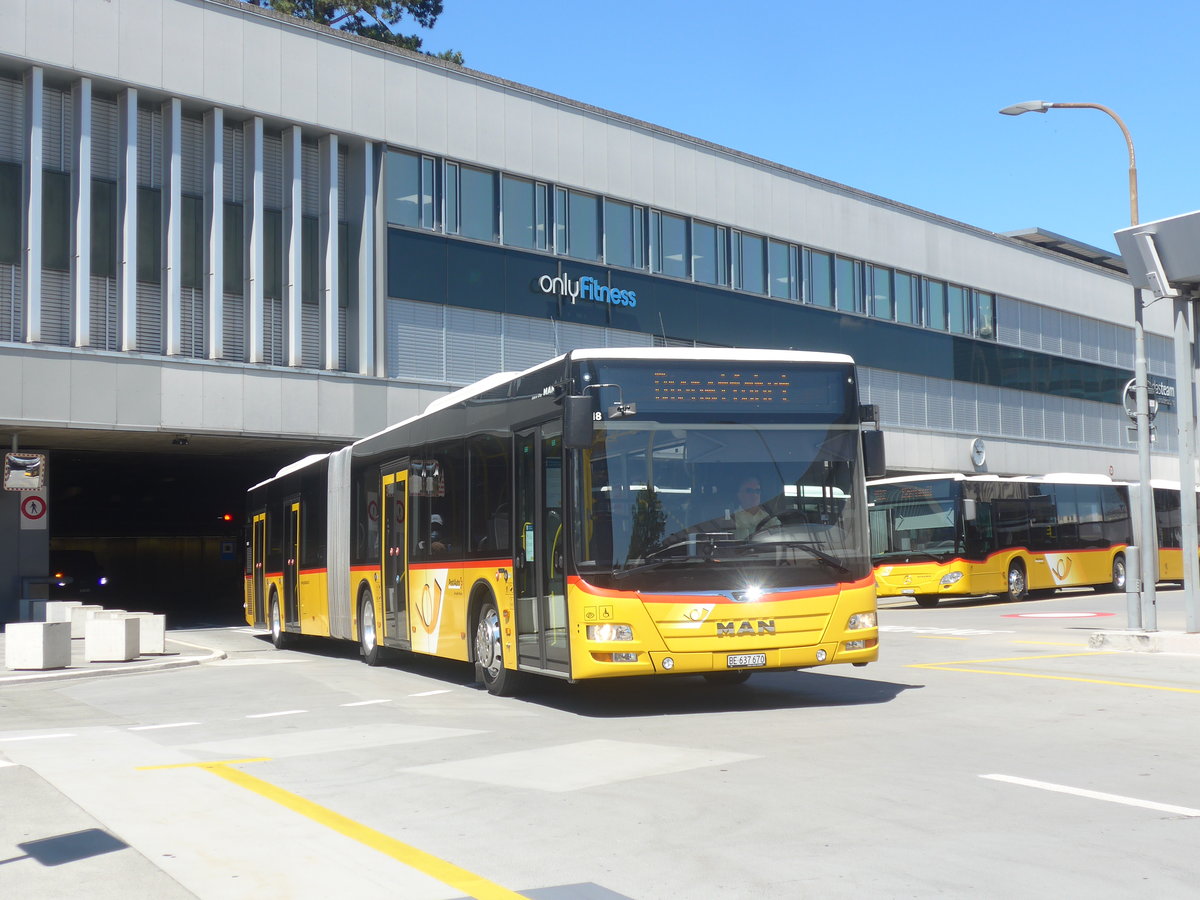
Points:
point(539, 587)
point(258, 561)
point(291, 566)
point(395, 557)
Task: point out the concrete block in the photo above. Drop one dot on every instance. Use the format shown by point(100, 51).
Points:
point(31, 609)
point(80, 615)
point(37, 645)
point(60, 610)
point(152, 632)
point(113, 639)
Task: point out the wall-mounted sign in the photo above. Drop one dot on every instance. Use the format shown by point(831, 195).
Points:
point(33, 512)
point(24, 471)
point(585, 288)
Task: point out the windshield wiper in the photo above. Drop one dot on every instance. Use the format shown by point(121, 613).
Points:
point(911, 554)
point(660, 563)
point(806, 546)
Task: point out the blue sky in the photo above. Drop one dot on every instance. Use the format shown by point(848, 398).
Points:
point(898, 99)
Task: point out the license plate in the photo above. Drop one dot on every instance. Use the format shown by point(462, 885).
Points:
point(907, 591)
point(745, 660)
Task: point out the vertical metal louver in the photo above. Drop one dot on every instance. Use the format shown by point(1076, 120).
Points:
point(965, 409)
point(272, 171)
point(1008, 321)
point(310, 335)
point(103, 313)
point(149, 317)
point(192, 156)
point(235, 163)
point(987, 404)
point(526, 342)
point(56, 307)
point(12, 120)
point(149, 138)
point(310, 182)
point(1055, 429)
point(233, 337)
point(105, 144)
point(273, 331)
point(10, 303)
point(415, 340)
point(472, 351)
point(57, 130)
point(912, 400)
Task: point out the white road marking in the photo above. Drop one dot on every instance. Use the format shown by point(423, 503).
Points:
point(36, 737)
point(167, 725)
point(285, 712)
point(367, 702)
point(913, 629)
point(1096, 795)
point(429, 693)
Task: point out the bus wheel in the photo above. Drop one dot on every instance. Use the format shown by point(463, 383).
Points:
point(925, 601)
point(489, 655)
point(1018, 587)
point(279, 637)
point(732, 676)
point(368, 637)
point(1118, 576)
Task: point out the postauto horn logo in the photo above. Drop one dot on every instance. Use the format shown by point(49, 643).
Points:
point(585, 288)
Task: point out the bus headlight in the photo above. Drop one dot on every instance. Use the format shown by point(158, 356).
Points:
point(951, 578)
point(609, 633)
point(861, 620)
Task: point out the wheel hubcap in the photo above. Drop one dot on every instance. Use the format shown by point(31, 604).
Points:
point(276, 628)
point(1119, 574)
point(1016, 583)
point(368, 627)
point(487, 642)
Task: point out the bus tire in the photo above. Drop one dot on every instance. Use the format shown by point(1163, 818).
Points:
point(368, 634)
point(489, 653)
point(1119, 577)
point(730, 677)
point(925, 601)
point(1018, 584)
point(279, 637)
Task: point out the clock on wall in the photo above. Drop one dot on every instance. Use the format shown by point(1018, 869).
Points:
point(978, 452)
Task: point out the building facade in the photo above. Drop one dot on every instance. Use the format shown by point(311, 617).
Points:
point(229, 233)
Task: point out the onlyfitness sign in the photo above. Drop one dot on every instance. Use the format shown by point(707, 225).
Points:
point(585, 288)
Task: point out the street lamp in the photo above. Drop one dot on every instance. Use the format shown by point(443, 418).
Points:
point(1147, 616)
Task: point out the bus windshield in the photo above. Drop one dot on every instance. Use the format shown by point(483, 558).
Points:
point(691, 507)
point(913, 521)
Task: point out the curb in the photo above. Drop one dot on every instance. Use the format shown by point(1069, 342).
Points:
point(1146, 641)
point(155, 666)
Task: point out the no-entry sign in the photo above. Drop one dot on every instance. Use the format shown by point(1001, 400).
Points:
point(33, 512)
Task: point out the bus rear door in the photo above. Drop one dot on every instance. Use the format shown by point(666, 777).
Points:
point(291, 566)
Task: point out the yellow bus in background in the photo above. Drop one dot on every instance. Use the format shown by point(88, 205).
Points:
point(953, 535)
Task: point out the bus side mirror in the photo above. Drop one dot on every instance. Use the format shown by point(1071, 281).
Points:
point(577, 422)
point(970, 513)
point(874, 461)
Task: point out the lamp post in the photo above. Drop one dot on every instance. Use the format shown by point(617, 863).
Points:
point(1147, 616)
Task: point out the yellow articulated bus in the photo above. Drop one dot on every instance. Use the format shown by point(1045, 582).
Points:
point(951, 535)
point(608, 513)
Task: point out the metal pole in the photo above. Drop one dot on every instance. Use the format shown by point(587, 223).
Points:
point(1186, 412)
point(1148, 539)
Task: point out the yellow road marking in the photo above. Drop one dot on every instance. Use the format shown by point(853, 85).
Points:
point(956, 666)
point(1051, 643)
point(460, 879)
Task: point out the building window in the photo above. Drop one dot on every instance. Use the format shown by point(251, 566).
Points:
point(273, 254)
point(191, 240)
point(781, 265)
point(624, 235)
point(819, 286)
point(708, 253)
point(908, 309)
point(880, 291)
point(410, 190)
point(234, 262)
point(935, 304)
point(523, 213)
point(959, 313)
point(10, 214)
point(56, 221)
point(104, 228)
point(471, 202)
point(576, 224)
point(751, 261)
point(149, 235)
point(669, 250)
point(849, 284)
point(984, 315)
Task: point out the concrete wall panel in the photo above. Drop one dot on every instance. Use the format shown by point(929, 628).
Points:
point(335, 83)
point(12, 374)
point(367, 94)
point(49, 36)
point(139, 394)
point(569, 139)
point(262, 403)
point(182, 54)
point(545, 145)
point(222, 398)
point(45, 395)
point(95, 27)
point(140, 54)
point(264, 76)
point(489, 117)
point(12, 38)
point(93, 392)
point(224, 57)
point(399, 99)
point(519, 136)
point(183, 403)
point(432, 95)
point(298, 403)
point(335, 406)
point(463, 135)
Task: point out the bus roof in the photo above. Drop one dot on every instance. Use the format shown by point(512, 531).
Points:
point(710, 353)
point(1051, 478)
point(293, 467)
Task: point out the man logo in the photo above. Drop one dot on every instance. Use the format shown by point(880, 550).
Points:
point(728, 629)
